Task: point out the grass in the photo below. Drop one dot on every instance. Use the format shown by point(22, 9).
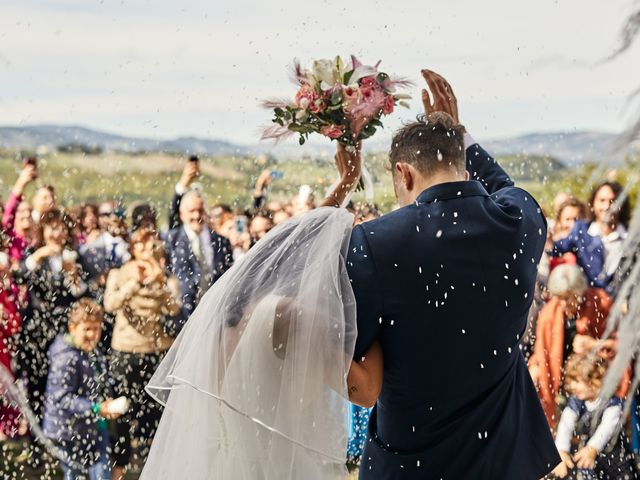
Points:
point(151, 178)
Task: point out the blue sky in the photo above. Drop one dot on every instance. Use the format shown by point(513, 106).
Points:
point(193, 67)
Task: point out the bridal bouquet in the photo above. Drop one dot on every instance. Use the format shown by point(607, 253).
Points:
point(340, 100)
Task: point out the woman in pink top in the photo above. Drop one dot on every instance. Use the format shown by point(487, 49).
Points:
point(17, 219)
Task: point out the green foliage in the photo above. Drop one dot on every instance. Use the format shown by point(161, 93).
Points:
point(531, 167)
point(152, 177)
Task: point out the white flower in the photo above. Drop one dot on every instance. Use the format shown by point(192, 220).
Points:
point(324, 70)
point(361, 72)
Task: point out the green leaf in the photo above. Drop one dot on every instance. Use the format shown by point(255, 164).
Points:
point(301, 140)
point(278, 111)
point(347, 77)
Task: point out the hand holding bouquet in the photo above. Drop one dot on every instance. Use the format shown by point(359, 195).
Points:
point(340, 100)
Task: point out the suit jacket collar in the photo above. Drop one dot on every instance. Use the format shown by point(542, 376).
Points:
point(450, 190)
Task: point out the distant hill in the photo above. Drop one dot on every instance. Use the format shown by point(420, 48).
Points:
point(54, 136)
point(571, 148)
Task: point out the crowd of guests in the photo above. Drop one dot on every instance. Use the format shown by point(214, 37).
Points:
point(578, 283)
point(93, 295)
point(91, 298)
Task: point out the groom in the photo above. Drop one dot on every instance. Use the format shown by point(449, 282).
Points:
point(444, 284)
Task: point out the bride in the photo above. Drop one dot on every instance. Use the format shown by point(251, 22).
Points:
point(256, 385)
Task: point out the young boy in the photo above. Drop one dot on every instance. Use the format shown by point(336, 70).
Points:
point(78, 395)
point(603, 451)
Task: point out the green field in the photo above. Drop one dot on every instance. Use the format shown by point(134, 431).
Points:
point(151, 177)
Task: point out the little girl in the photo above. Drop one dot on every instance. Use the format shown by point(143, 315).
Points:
point(603, 453)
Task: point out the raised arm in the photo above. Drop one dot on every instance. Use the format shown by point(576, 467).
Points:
point(349, 165)
point(260, 190)
point(480, 165)
point(189, 173)
point(28, 174)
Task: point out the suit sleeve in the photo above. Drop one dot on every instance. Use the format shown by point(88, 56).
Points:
point(483, 167)
point(568, 243)
point(174, 211)
point(168, 251)
point(365, 284)
point(227, 250)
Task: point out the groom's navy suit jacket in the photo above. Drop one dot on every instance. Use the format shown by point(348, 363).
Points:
point(445, 285)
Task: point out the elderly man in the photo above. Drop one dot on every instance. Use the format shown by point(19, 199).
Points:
point(195, 254)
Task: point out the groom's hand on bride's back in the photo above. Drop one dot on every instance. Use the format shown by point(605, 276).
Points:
point(439, 97)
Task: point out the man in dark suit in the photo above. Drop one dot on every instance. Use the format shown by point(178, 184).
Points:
point(195, 254)
point(444, 285)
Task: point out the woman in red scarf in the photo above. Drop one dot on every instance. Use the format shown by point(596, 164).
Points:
point(574, 317)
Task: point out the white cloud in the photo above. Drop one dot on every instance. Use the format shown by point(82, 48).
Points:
point(200, 67)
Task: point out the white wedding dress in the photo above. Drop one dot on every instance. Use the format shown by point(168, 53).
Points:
point(255, 385)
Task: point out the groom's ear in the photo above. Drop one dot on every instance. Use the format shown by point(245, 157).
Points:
point(405, 172)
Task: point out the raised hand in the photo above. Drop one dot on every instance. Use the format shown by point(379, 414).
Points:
point(27, 175)
point(190, 172)
point(263, 181)
point(444, 100)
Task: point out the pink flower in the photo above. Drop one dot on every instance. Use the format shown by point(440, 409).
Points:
point(361, 106)
point(370, 82)
point(332, 131)
point(365, 92)
point(308, 99)
point(388, 105)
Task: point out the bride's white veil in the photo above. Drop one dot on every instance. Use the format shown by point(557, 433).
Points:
point(254, 386)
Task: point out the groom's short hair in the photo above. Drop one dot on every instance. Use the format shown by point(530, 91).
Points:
point(433, 142)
